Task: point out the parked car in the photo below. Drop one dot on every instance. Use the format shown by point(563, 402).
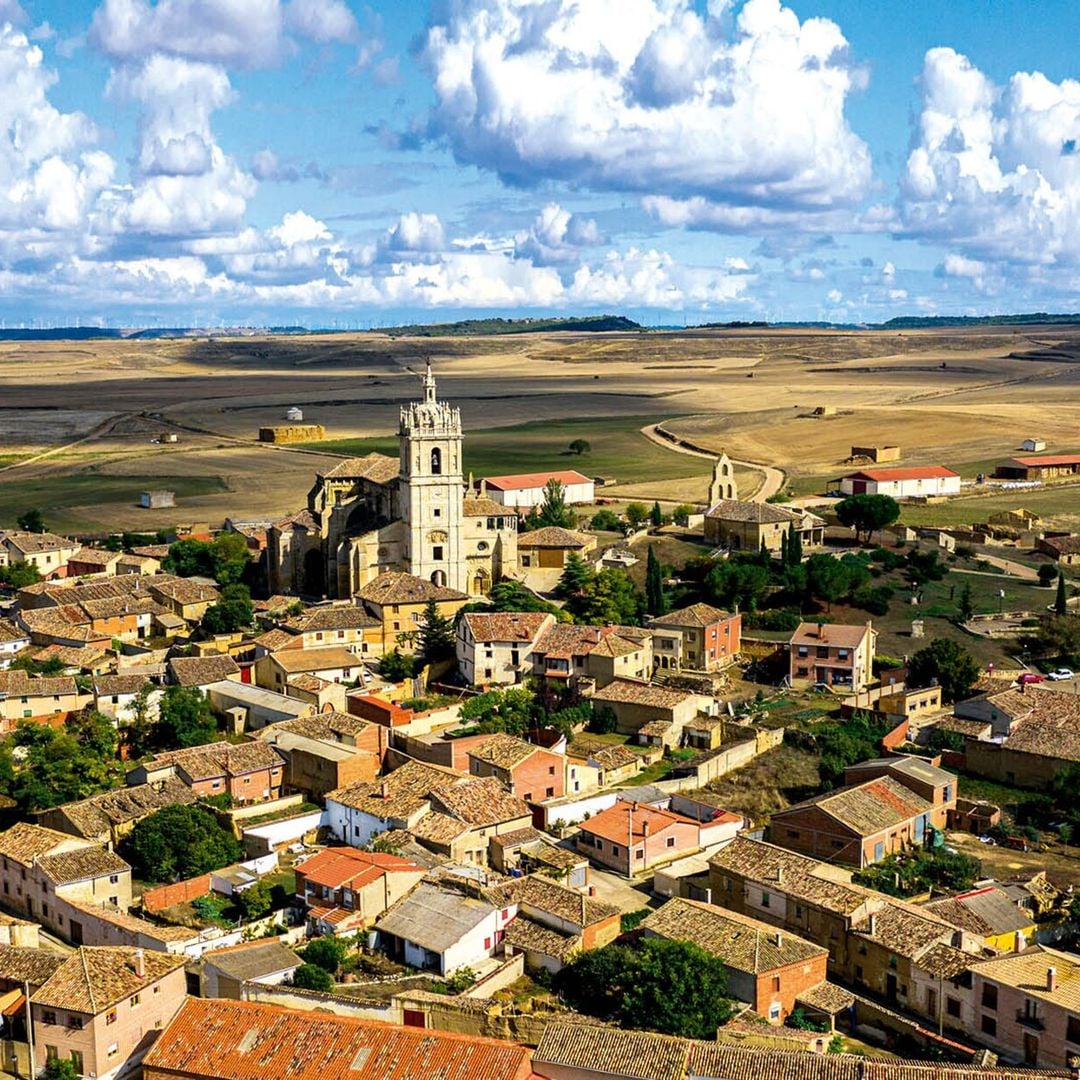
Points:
point(1029, 677)
point(1061, 674)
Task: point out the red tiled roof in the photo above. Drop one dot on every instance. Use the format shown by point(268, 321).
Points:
point(615, 822)
point(339, 866)
point(1052, 459)
point(924, 472)
point(240, 1040)
point(535, 479)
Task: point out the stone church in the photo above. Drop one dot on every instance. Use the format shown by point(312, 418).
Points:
point(414, 513)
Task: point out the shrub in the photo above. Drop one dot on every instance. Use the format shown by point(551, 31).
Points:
point(327, 952)
point(606, 521)
point(312, 977)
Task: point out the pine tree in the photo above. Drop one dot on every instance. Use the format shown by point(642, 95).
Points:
point(1061, 606)
point(577, 577)
point(656, 515)
point(965, 605)
point(436, 635)
point(655, 600)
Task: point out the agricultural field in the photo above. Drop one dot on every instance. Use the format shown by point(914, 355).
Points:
point(71, 412)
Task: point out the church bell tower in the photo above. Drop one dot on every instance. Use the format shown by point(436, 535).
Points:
point(432, 488)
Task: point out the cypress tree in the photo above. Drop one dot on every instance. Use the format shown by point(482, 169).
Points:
point(1061, 606)
point(784, 554)
point(655, 600)
point(795, 547)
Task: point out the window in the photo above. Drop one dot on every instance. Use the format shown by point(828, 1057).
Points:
point(989, 1025)
point(77, 1061)
point(436, 462)
point(1072, 1029)
point(113, 1050)
point(989, 996)
point(157, 989)
point(774, 1011)
point(437, 553)
point(952, 1006)
point(776, 984)
point(436, 512)
point(487, 943)
point(51, 1053)
point(793, 834)
point(765, 899)
point(135, 999)
point(75, 1023)
point(550, 792)
point(639, 854)
point(114, 878)
point(614, 849)
point(671, 841)
point(110, 1017)
point(48, 1017)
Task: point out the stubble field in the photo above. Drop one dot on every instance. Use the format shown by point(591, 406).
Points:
point(77, 419)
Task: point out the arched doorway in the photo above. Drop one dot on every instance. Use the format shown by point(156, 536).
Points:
point(438, 577)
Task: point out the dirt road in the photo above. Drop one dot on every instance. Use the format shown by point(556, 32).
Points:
point(773, 478)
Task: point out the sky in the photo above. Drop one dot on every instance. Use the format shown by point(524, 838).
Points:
point(368, 162)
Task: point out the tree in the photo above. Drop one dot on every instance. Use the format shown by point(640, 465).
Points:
point(953, 668)
point(19, 575)
point(842, 744)
point(552, 510)
point(1058, 637)
point(1061, 604)
point(611, 598)
point(31, 521)
point(509, 711)
point(579, 447)
point(179, 842)
point(230, 557)
point(656, 515)
point(655, 598)
point(513, 596)
point(606, 521)
point(58, 1068)
point(436, 635)
point(865, 513)
point(232, 612)
point(328, 952)
point(255, 901)
point(139, 732)
point(965, 605)
point(827, 578)
point(675, 987)
point(1047, 575)
point(681, 514)
point(795, 547)
point(189, 558)
point(910, 874)
point(42, 766)
point(312, 977)
point(397, 666)
point(736, 583)
point(636, 514)
point(184, 719)
point(577, 577)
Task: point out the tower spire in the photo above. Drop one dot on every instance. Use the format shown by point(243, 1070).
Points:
point(429, 384)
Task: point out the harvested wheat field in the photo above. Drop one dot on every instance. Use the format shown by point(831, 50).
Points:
point(78, 420)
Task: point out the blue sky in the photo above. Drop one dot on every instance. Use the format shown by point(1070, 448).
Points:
point(332, 162)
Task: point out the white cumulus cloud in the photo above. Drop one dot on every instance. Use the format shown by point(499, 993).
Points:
point(995, 172)
point(735, 126)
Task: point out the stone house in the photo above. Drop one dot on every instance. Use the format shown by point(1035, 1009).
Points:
point(833, 654)
point(767, 968)
point(41, 699)
point(332, 663)
point(46, 552)
point(225, 971)
point(13, 639)
point(1064, 550)
point(345, 625)
point(747, 526)
point(495, 648)
point(699, 637)
point(549, 548)
point(399, 600)
point(250, 772)
point(203, 671)
point(636, 703)
point(620, 654)
point(103, 1008)
point(186, 598)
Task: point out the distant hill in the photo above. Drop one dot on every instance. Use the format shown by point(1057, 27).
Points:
point(594, 324)
point(60, 333)
point(914, 322)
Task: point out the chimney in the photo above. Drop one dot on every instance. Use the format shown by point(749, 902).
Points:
point(1051, 980)
point(384, 790)
point(139, 963)
point(779, 875)
point(483, 486)
point(584, 917)
point(822, 633)
point(779, 939)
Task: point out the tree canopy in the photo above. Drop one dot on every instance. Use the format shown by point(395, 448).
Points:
point(179, 842)
point(184, 719)
point(31, 521)
point(865, 513)
point(225, 558)
point(435, 635)
point(675, 987)
point(313, 977)
point(947, 662)
point(847, 742)
point(232, 612)
point(552, 511)
point(655, 597)
point(579, 446)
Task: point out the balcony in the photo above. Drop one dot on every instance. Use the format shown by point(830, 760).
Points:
point(1029, 1020)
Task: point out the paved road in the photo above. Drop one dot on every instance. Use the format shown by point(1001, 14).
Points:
point(1014, 569)
point(774, 478)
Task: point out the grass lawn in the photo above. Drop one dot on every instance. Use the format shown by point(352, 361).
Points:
point(619, 450)
point(56, 496)
point(1048, 502)
point(1010, 799)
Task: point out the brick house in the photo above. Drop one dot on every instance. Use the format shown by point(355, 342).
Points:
point(93, 561)
point(345, 889)
point(856, 825)
point(495, 648)
point(103, 1008)
point(240, 1040)
point(699, 637)
point(631, 838)
point(936, 786)
point(528, 771)
point(249, 772)
point(767, 968)
point(834, 654)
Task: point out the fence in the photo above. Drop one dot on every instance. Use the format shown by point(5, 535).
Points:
point(165, 896)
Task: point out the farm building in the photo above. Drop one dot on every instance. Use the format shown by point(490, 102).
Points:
point(902, 483)
point(1039, 468)
point(527, 489)
point(157, 500)
point(294, 414)
point(1033, 446)
point(876, 454)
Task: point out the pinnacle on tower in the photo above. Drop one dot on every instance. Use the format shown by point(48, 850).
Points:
point(429, 385)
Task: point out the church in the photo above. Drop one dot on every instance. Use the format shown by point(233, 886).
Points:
point(414, 513)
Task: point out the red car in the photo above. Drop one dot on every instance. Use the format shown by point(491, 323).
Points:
point(1029, 677)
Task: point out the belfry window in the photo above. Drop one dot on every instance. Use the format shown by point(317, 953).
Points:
point(436, 462)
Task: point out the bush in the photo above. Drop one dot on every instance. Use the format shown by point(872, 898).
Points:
point(179, 842)
point(910, 874)
point(461, 980)
point(312, 977)
point(606, 521)
point(773, 619)
point(327, 952)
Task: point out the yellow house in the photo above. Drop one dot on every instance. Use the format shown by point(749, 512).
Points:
point(990, 913)
point(398, 601)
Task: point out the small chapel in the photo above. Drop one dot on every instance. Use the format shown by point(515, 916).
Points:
point(415, 513)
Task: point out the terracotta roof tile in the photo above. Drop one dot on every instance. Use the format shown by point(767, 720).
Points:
point(24, 842)
point(636, 1055)
point(481, 801)
point(697, 615)
point(520, 626)
point(379, 468)
point(504, 751)
point(202, 670)
point(394, 587)
point(866, 808)
point(552, 536)
point(535, 479)
point(94, 978)
point(635, 692)
point(63, 867)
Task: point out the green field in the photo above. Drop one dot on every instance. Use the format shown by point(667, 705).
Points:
point(619, 451)
point(1048, 501)
point(55, 496)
